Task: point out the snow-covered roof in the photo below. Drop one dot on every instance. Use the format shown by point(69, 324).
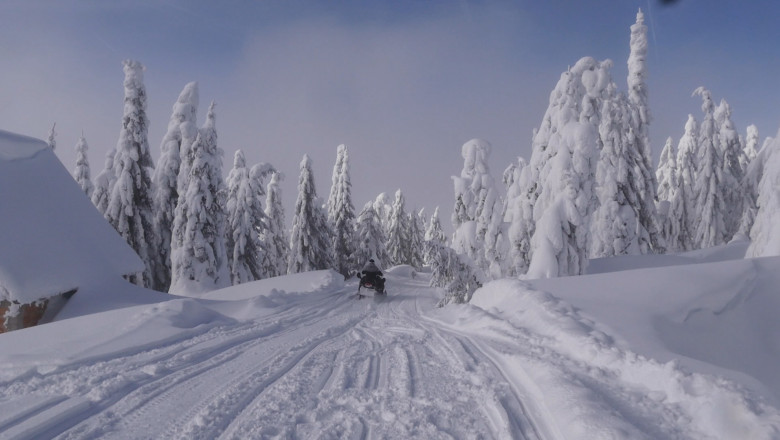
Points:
point(52, 239)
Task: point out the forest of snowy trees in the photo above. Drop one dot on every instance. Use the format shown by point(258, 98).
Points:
point(588, 190)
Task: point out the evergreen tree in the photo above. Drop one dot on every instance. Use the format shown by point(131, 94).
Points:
point(398, 239)
point(666, 175)
point(455, 273)
point(310, 240)
point(275, 238)
point(434, 237)
point(730, 148)
point(341, 214)
point(370, 238)
point(244, 248)
point(683, 205)
point(81, 172)
point(416, 239)
point(709, 225)
point(383, 207)
point(198, 252)
point(519, 214)
point(103, 182)
point(559, 185)
point(625, 221)
point(764, 235)
point(182, 130)
point(129, 207)
point(754, 172)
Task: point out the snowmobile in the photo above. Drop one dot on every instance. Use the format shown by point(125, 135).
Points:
point(375, 283)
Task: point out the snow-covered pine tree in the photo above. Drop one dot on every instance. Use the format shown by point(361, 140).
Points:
point(129, 207)
point(476, 204)
point(416, 239)
point(683, 204)
point(754, 172)
point(341, 214)
point(81, 172)
point(625, 221)
point(764, 235)
point(456, 274)
point(398, 239)
point(560, 182)
point(103, 183)
point(310, 240)
point(731, 150)
point(642, 179)
point(198, 251)
point(383, 206)
point(182, 130)
point(51, 140)
point(258, 175)
point(519, 215)
point(275, 238)
point(370, 238)
point(666, 175)
point(709, 225)
point(434, 237)
point(244, 249)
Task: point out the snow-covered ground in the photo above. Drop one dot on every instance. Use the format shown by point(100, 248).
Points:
point(663, 352)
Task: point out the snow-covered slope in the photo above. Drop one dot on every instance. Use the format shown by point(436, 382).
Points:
point(300, 357)
point(53, 239)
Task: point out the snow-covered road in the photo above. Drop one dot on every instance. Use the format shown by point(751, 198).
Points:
point(323, 365)
point(327, 366)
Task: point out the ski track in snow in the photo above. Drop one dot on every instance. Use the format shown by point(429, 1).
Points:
point(333, 367)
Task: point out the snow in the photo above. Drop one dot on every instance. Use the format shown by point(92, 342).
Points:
point(44, 254)
point(646, 348)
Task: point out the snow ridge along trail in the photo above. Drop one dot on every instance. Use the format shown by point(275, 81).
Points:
point(323, 365)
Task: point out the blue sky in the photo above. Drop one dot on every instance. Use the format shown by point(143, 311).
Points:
point(404, 83)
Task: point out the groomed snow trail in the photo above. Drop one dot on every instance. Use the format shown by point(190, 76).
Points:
point(328, 366)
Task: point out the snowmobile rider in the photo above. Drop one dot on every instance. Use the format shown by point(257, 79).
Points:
point(371, 272)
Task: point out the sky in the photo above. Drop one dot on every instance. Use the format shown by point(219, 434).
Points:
point(403, 84)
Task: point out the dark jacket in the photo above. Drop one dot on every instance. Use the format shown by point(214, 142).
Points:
point(371, 268)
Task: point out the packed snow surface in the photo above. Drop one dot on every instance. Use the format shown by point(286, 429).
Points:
point(300, 357)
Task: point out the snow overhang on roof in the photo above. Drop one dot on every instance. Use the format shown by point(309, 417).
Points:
point(52, 239)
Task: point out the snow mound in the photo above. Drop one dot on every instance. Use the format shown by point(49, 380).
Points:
point(714, 406)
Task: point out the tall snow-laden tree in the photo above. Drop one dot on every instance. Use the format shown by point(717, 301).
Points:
point(275, 238)
point(81, 172)
point(559, 185)
point(666, 175)
point(625, 221)
point(477, 206)
point(731, 150)
point(103, 183)
point(398, 239)
point(765, 233)
point(519, 215)
point(751, 146)
point(383, 205)
point(370, 238)
point(199, 260)
point(182, 131)
point(244, 249)
point(642, 181)
point(310, 239)
point(416, 239)
point(129, 207)
point(709, 225)
point(682, 207)
point(341, 214)
point(434, 237)
point(754, 172)
point(52, 139)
